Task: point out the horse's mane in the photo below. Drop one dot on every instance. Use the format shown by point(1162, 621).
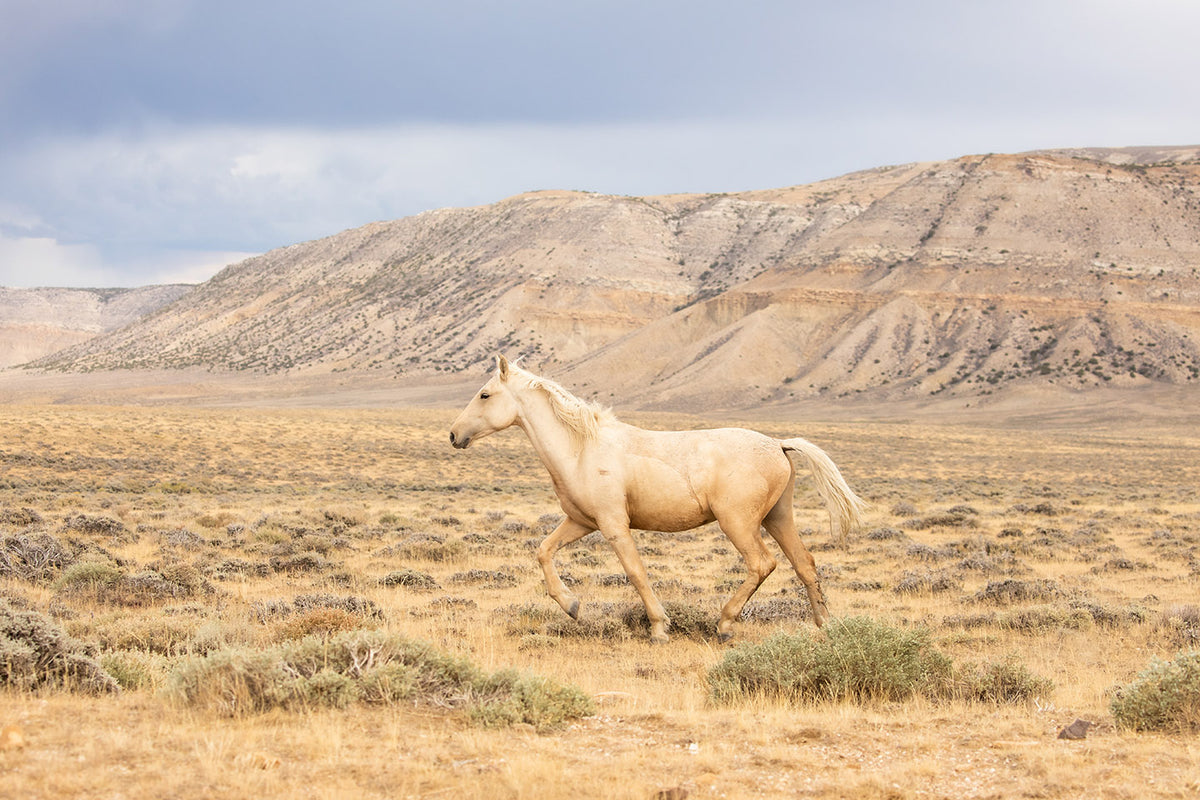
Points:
point(581, 417)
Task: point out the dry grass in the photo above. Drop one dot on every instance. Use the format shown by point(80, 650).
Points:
point(190, 530)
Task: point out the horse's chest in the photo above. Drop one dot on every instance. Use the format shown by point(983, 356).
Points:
point(593, 495)
point(576, 504)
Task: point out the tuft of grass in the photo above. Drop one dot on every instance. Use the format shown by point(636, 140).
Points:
point(1164, 697)
point(372, 667)
point(859, 659)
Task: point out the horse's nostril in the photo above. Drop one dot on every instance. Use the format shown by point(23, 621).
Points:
point(451, 437)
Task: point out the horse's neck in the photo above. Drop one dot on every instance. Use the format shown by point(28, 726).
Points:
point(555, 444)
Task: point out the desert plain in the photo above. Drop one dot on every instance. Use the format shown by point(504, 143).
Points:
point(1070, 545)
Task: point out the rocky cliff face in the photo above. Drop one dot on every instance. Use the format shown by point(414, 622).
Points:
point(1075, 269)
point(37, 322)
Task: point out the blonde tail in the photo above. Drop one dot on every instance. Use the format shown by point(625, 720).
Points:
point(844, 506)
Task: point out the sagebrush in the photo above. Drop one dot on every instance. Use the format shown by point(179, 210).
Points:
point(1164, 697)
point(35, 654)
point(863, 660)
point(370, 667)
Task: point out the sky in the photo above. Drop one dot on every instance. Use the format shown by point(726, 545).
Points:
point(156, 141)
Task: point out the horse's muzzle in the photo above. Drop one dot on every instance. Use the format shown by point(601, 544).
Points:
point(460, 444)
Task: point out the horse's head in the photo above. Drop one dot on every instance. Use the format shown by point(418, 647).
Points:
point(493, 408)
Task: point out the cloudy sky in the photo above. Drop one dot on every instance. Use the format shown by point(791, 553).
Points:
point(147, 141)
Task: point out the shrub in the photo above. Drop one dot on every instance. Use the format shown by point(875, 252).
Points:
point(172, 583)
point(526, 619)
point(492, 579)
point(1011, 590)
point(183, 538)
point(35, 653)
point(1007, 681)
point(136, 669)
point(1031, 620)
point(389, 684)
point(20, 517)
point(33, 557)
point(411, 579)
point(302, 562)
point(351, 604)
point(887, 534)
point(95, 525)
point(154, 634)
point(89, 577)
point(107, 583)
point(927, 582)
point(788, 610)
point(319, 622)
point(327, 688)
point(1111, 617)
point(317, 613)
point(862, 660)
point(686, 620)
point(230, 567)
point(1182, 624)
point(509, 698)
point(1164, 697)
point(372, 667)
point(856, 659)
point(957, 517)
point(602, 628)
point(427, 547)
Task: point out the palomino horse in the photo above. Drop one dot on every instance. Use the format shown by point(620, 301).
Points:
point(612, 477)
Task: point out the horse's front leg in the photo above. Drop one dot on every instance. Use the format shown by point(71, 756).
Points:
point(569, 531)
point(621, 540)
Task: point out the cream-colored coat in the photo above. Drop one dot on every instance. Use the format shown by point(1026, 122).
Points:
point(613, 477)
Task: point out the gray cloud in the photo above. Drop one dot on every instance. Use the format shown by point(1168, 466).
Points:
point(141, 134)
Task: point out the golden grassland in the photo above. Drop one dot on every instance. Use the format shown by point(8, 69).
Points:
point(1075, 550)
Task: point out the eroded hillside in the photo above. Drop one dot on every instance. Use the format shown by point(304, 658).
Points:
point(38, 322)
point(1071, 269)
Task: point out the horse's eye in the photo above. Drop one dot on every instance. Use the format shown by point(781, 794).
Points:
point(484, 395)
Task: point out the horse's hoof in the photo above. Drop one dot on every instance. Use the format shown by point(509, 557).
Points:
point(573, 611)
point(662, 638)
point(724, 637)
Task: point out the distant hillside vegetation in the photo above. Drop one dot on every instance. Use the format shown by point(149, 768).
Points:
point(1072, 269)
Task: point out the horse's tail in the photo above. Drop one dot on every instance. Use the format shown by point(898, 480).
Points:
point(844, 506)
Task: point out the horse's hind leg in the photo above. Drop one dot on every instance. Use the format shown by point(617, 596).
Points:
point(567, 532)
point(782, 527)
point(759, 564)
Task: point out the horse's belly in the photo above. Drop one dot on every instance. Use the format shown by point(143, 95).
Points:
point(668, 520)
point(667, 512)
point(659, 497)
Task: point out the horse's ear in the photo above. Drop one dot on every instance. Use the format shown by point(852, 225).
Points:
point(502, 367)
